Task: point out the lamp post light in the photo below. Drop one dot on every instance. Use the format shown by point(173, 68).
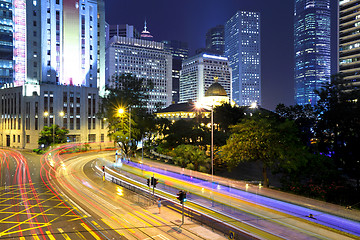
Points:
point(199, 106)
point(61, 114)
point(121, 111)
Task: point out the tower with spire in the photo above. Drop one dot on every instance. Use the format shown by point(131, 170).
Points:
point(145, 34)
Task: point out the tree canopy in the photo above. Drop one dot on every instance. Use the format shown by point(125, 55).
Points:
point(272, 142)
point(53, 135)
point(130, 94)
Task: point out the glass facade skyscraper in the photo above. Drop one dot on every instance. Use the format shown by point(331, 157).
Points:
point(312, 48)
point(179, 51)
point(349, 42)
point(215, 39)
point(6, 42)
point(242, 48)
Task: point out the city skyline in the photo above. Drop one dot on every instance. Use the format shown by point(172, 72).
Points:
point(190, 21)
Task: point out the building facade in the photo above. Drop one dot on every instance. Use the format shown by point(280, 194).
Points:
point(57, 45)
point(179, 51)
point(215, 39)
point(123, 30)
point(6, 43)
point(349, 41)
point(199, 73)
point(142, 59)
point(312, 48)
point(242, 48)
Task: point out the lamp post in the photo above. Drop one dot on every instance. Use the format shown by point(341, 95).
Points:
point(212, 145)
point(121, 111)
point(61, 114)
point(198, 105)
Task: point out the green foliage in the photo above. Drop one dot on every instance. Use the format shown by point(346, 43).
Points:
point(338, 126)
point(304, 118)
point(130, 93)
point(38, 151)
point(191, 157)
point(226, 115)
point(53, 135)
point(272, 142)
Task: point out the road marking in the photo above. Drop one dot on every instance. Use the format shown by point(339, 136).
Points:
point(107, 223)
point(35, 237)
point(148, 218)
point(80, 235)
point(141, 220)
point(90, 231)
point(50, 235)
point(64, 234)
point(122, 223)
point(22, 238)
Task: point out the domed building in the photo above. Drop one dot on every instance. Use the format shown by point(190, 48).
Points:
point(214, 96)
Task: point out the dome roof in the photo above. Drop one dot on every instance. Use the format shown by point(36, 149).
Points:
point(216, 90)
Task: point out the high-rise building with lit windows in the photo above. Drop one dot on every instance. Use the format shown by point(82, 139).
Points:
point(349, 42)
point(142, 59)
point(6, 42)
point(58, 53)
point(312, 48)
point(200, 72)
point(215, 39)
point(179, 51)
point(242, 48)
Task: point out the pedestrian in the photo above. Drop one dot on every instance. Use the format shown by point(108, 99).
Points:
point(159, 204)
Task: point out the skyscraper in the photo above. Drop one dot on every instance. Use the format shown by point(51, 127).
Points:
point(200, 72)
point(6, 43)
point(242, 48)
point(215, 39)
point(123, 30)
point(142, 59)
point(312, 48)
point(179, 51)
point(349, 40)
point(58, 56)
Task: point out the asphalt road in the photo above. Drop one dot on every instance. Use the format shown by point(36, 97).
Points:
point(118, 209)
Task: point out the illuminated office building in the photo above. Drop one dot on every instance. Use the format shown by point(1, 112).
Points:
point(142, 59)
point(215, 39)
point(349, 42)
point(200, 72)
point(123, 30)
point(6, 43)
point(312, 48)
point(242, 48)
point(179, 51)
point(59, 65)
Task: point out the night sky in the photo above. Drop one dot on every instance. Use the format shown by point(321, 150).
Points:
point(189, 20)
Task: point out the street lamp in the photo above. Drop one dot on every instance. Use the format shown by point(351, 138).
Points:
point(121, 111)
point(198, 105)
point(61, 114)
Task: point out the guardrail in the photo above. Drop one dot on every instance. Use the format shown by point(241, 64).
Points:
point(146, 199)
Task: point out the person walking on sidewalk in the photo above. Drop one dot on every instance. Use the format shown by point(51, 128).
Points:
point(159, 204)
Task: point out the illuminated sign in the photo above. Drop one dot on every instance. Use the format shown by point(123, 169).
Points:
point(19, 39)
point(72, 54)
point(214, 57)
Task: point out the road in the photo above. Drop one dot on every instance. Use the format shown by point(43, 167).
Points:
point(116, 209)
point(255, 211)
point(32, 209)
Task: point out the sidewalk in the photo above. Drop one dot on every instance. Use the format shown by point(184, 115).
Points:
point(337, 210)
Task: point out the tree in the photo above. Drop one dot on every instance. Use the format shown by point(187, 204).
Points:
point(226, 115)
point(303, 116)
point(272, 142)
point(53, 135)
point(338, 126)
point(191, 157)
point(130, 93)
